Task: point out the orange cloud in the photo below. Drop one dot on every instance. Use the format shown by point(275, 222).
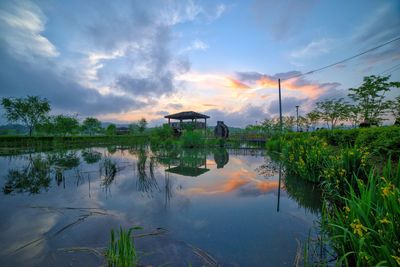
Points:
point(266, 82)
point(237, 84)
point(235, 181)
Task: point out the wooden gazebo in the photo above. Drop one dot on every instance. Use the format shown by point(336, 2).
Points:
point(185, 116)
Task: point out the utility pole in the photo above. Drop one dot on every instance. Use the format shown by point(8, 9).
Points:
point(297, 118)
point(280, 105)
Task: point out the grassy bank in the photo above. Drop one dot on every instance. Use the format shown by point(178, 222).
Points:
point(359, 174)
point(43, 141)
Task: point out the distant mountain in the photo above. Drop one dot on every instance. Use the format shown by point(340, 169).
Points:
point(105, 124)
point(13, 129)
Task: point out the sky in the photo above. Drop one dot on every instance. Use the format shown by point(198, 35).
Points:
point(120, 61)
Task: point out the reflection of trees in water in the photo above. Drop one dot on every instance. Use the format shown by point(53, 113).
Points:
point(108, 171)
point(62, 160)
point(146, 183)
point(32, 178)
point(221, 157)
point(91, 156)
point(307, 195)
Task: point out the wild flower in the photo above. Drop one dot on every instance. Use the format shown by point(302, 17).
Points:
point(384, 221)
point(397, 259)
point(358, 228)
point(387, 190)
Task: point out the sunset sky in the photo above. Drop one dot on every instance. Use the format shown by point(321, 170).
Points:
point(123, 60)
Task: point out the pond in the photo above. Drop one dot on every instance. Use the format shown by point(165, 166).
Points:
point(197, 207)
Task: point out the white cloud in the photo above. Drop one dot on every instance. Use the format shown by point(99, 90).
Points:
point(314, 48)
point(22, 25)
point(196, 45)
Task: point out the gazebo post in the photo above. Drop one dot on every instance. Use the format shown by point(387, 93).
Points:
point(205, 126)
point(169, 121)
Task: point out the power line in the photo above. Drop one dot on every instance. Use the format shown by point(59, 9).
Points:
point(391, 69)
point(344, 60)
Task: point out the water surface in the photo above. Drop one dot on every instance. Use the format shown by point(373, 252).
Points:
point(203, 206)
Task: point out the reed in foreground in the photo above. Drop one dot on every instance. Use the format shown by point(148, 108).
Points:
point(122, 252)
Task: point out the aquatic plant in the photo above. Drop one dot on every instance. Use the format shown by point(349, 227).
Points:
point(305, 157)
point(108, 170)
point(121, 252)
point(365, 229)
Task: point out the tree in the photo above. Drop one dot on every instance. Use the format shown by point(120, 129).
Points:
point(142, 123)
point(352, 114)
point(331, 111)
point(395, 109)
point(91, 125)
point(304, 123)
point(313, 118)
point(133, 128)
point(111, 129)
point(31, 111)
point(370, 98)
point(64, 125)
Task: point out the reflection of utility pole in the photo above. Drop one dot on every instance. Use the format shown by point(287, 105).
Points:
point(297, 118)
point(280, 105)
point(279, 186)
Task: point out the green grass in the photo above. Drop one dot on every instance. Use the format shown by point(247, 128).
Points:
point(365, 229)
point(354, 168)
point(121, 251)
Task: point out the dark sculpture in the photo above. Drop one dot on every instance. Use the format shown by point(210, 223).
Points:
point(221, 130)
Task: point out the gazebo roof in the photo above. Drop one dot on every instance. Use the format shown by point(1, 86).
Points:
point(186, 115)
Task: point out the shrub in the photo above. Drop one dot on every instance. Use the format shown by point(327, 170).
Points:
point(192, 139)
point(305, 157)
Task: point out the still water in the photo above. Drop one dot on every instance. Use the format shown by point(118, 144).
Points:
point(198, 207)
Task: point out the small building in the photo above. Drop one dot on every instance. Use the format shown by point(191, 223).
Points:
point(187, 118)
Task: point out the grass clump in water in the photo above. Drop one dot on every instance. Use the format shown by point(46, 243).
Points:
point(122, 252)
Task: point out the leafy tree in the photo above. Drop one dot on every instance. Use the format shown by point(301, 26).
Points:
point(352, 114)
point(370, 98)
point(304, 124)
point(288, 123)
point(91, 126)
point(64, 125)
point(395, 109)
point(313, 118)
point(332, 111)
point(111, 129)
point(31, 111)
point(142, 124)
point(133, 128)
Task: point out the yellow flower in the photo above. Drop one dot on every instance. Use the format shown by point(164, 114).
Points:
point(386, 190)
point(358, 228)
point(384, 221)
point(397, 259)
point(347, 209)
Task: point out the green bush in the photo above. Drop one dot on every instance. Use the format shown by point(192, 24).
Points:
point(192, 139)
point(305, 157)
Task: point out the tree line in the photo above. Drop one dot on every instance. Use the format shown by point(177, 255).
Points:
point(33, 113)
point(369, 106)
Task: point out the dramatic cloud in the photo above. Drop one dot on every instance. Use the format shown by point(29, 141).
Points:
point(21, 27)
point(289, 81)
point(118, 57)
